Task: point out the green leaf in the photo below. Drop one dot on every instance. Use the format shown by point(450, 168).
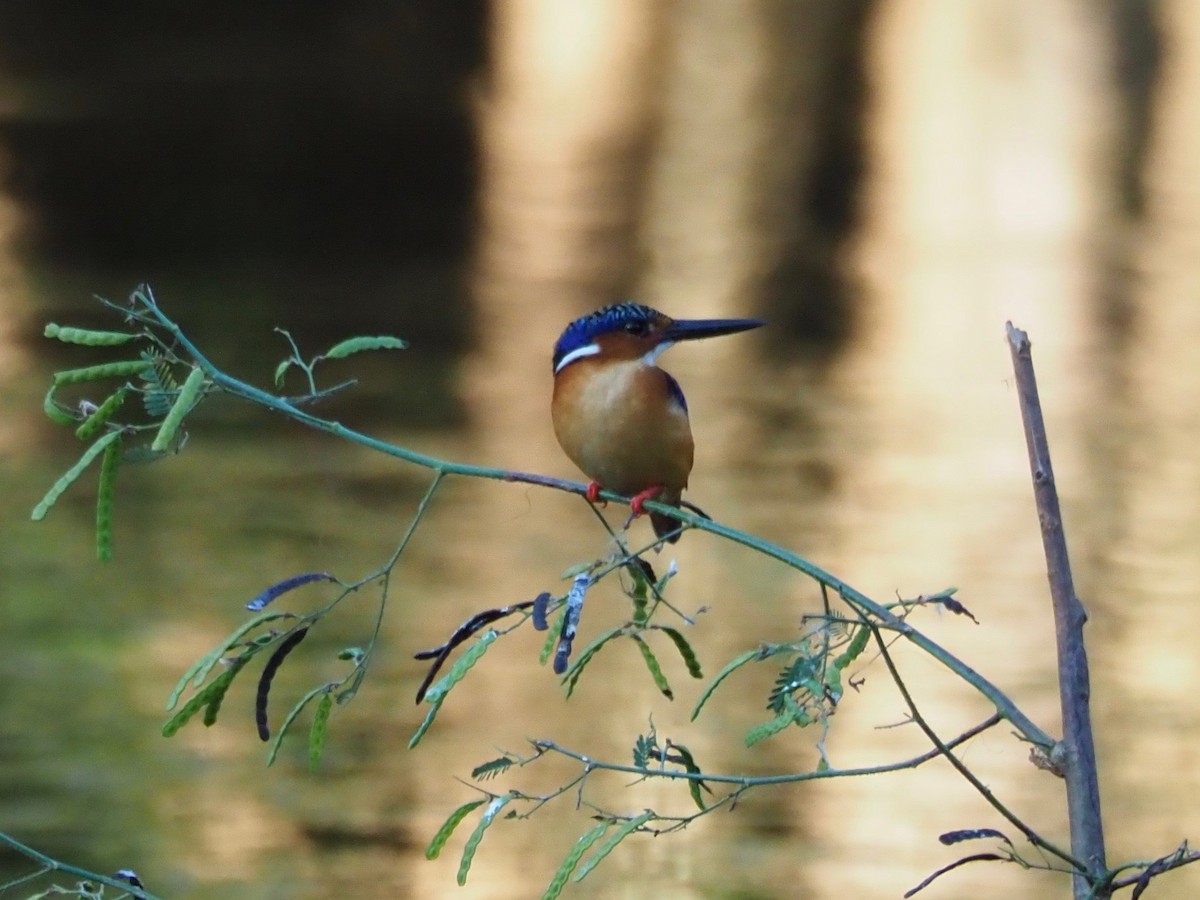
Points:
point(188, 394)
point(656, 672)
point(685, 650)
point(280, 371)
point(472, 845)
point(642, 748)
point(730, 667)
point(611, 844)
point(443, 834)
point(316, 734)
point(571, 860)
point(359, 344)
point(68, 478)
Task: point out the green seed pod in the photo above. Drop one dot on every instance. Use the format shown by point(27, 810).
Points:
point(105, 411)
point(182, 406)
point(104, 500)
point(123, 369)
point(54, 410)
point(87, 337)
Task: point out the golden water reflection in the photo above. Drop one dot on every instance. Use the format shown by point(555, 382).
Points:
point(900, 468)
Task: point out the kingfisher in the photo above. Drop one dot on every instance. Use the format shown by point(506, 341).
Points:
point(622, 420)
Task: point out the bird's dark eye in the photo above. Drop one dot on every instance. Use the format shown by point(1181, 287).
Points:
point(637, 327)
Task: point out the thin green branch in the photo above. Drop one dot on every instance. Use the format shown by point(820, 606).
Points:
point(1004, 706)
point(944, 749)
point(749, 781)
point(53, 865)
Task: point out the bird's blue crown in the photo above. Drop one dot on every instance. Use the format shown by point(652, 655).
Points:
point(586, 329)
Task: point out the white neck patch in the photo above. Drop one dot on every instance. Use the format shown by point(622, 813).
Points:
point(652, 356)
point(577, 353)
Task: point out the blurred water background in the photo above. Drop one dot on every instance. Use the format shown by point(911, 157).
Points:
point(887, 181)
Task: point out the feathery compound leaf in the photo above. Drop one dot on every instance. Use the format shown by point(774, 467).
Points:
point(104, 500)
point(87, 337)
point(434, 850)
point(611, 844)
point(92, 424)
point(161, 385)
point(199, 670)
point(123, 369)
point(290, 718)
point(485, 820)
point(359, 344)
point(685, 650)
point(288, 644)
point(492, 768)
point(188, 394)
point(656, 672)
point(730, 667)
point(316, 735)
point(571, 860)
point(642, 748)
point(68, 477)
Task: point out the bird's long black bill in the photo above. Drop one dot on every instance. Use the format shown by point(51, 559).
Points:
point(693, 329)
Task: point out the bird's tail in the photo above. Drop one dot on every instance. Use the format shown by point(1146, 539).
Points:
point(665, 526)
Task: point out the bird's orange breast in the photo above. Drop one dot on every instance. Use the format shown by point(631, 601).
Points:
point(619, 423)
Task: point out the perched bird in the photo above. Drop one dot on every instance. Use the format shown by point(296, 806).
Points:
point(619, 417)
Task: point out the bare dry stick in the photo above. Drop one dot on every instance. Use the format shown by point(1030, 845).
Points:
point(1078, 756)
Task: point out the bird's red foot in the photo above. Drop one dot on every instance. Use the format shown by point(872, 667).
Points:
point(593, 492)
point(636, 501)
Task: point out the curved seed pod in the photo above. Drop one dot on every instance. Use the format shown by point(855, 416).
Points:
point(452, 821)
point(268, 675)
point(180, 408)
point(55, 411)
point(68, 477)
point(485, 820)
point(609, 845)
point(571, 860)
point(656, 672)
point(685, 650)
point(359, 344)
point(92, 424)
point(87, 337)
point(123, 369)
point(282, 587)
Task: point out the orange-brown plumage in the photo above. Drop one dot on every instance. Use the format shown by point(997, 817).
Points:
point(622, 420)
